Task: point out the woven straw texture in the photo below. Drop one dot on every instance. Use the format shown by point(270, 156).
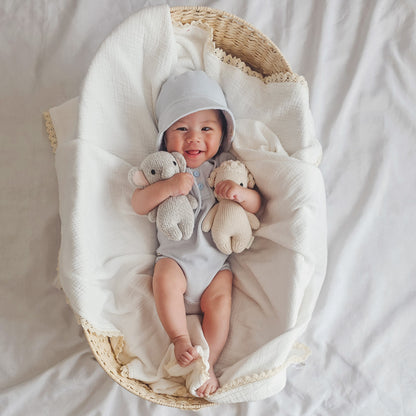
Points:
point(238, 39)
point(247, 48)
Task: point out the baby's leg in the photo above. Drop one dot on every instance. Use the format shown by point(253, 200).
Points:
point(169, 285)
point(216, 307)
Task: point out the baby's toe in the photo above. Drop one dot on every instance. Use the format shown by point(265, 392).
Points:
point(208, 388)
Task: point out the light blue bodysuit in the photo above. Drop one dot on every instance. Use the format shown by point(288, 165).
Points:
point(198, 257)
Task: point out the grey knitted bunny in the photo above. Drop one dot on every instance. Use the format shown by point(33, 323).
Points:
point(174, 216)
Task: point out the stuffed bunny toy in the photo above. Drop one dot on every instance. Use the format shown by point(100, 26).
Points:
point(175, 215)
point(231, 226)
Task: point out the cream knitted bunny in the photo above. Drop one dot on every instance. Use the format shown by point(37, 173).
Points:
point(231, 226)
point(174, 216)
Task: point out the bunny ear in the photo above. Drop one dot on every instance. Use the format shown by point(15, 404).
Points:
point(137, 178)
point(211, 178)
point(181, 161)
point(251, 182)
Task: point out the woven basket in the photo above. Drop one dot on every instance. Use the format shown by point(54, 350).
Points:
point(254, 53)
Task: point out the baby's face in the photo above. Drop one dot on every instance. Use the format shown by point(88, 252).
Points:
point(196, 136)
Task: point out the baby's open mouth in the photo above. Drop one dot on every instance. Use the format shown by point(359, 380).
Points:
point(193, 152)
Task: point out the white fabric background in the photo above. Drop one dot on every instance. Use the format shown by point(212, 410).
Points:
point(359, 59)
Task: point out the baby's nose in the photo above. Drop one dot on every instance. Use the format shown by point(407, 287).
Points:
point(192, 136)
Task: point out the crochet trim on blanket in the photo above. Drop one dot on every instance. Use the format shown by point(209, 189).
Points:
point(302, 353)
point(237, 62)
point(50, 130)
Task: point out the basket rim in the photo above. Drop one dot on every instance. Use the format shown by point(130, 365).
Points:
point(232, 17)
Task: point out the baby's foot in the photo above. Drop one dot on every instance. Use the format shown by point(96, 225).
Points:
point(210, 386)
point(185, 352)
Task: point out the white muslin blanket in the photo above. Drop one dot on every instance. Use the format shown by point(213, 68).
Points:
point(107, 251)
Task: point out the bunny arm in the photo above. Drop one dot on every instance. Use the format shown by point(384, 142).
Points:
point(209, 218)
point(193, 201)
point(152, 215)
point(253, 220)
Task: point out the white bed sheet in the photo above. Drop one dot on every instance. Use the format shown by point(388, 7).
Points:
point(359, 59)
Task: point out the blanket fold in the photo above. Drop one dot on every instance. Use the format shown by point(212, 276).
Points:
point(107, 251)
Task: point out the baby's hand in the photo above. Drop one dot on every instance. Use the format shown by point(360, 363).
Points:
point(180, 184)
point(230, 190)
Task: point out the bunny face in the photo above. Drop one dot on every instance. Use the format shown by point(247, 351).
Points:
point(232, 170)
point(162, 165)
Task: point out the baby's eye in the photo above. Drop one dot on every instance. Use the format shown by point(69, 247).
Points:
point(206, 128)
point(181, 128)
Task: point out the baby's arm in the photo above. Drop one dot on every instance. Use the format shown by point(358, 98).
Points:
point(248, 198)
point(148, 198)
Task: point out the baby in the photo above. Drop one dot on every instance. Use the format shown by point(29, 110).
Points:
point(192, 276)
